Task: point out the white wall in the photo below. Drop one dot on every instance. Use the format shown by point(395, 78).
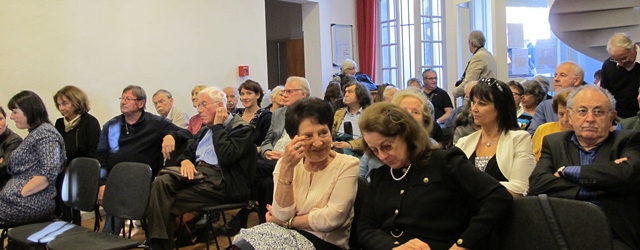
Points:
point(102, 46)
point(317, 17)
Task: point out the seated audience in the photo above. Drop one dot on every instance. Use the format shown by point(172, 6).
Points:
point(463, 124)
point(532, 96)
point(163, 102)
point(333, 95)
point(276, 99)
point(135, 136)
point(315, 187)
point(594, 164)
point(399, 208)
point(30, 193)
point(380, 94)
point(560, 107)
point(232, 99)
point(251, 95)
point(440, 99)
point(9, 141)
point(568, 74)
point(388, 93)
point(544, 81)
point(195, 123)
point(347, 71)
point(346, 133)
point(414, 82)
point(81, 133)
point(223, 153)
point(500, 148)
point(523, 118)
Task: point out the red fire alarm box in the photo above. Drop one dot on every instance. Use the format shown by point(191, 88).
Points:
point(243, 70)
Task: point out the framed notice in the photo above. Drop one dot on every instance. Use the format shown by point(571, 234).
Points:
point(341, 43)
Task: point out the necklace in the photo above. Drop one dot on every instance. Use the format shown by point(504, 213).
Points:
point(488, 144)
point(401, 177)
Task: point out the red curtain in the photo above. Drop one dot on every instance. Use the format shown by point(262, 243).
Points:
point(367, 15)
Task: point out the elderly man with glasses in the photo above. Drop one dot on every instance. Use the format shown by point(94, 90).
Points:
point(621, 74)
point(594, 164)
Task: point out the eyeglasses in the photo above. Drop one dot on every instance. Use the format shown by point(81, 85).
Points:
point(289, 91)
point(128, 99)
point(491, 82)
point(597, 112)
point(516, 94)
point(431, 78)
point(202, 104)
point(623, 61)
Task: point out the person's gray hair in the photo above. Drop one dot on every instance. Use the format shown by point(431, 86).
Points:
point(276, 91)
point(302, 83)
point(534, 88)
point(416, 80)
point(163, 91)
point(348, 63)
point(610, 98)
point(427, 107)
point(138, 92)
point(387, 91)
point(424, 73)
point(620, 40)
point(216, 94)
point(544, 81)
point(476, 38)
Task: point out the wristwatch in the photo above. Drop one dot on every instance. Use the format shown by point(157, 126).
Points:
point(560, 171)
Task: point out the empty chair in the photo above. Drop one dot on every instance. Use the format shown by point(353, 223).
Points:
point(579, 224)
point(126, 197)
point(79, 191)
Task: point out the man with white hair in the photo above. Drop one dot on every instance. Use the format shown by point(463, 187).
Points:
point(621, 73)
point(223, 152)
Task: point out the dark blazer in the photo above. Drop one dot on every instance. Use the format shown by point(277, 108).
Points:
point(9, 141)
point(618, 185)
point(444, 202)
point(81, 141)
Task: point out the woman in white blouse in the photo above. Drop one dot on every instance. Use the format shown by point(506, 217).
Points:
point(499, 148)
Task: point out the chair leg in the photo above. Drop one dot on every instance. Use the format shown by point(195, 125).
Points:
point(179, 232)
point(224, 218)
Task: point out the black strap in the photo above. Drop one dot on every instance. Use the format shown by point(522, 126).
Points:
point(552, 222)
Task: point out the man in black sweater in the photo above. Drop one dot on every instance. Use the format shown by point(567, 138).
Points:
point(621, 74)
point(135, 136)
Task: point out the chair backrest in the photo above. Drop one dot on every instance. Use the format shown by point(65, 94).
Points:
point(583, 225)
point(357, 206)
point(127, 190)
point(80, 185)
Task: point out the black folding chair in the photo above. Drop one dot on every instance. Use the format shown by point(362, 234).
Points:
point(126, 196)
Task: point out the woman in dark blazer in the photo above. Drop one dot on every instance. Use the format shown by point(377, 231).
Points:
point(423, 197)
point(9, 141)
point(81, 133)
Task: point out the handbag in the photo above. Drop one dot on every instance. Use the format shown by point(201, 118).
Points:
point(175, 171)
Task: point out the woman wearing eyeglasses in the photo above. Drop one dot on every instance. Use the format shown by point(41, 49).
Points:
point(500, 148)
point(423, 197)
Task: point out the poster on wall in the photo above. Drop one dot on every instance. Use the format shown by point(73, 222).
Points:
point(519, 62)
point(341, 43)
point(546, 56)
point(515, 35)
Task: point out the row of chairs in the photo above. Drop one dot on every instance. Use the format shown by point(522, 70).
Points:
point(127, 197)
point(536, 222)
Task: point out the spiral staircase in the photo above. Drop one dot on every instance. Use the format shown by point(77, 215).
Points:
point(587, 25)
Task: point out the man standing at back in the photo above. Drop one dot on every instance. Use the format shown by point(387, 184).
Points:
point(621, 74)
point(593, 164)
point(440, 99)
point(480, 65)
point(163, 101)
point(136, 136)
point(568, 74)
